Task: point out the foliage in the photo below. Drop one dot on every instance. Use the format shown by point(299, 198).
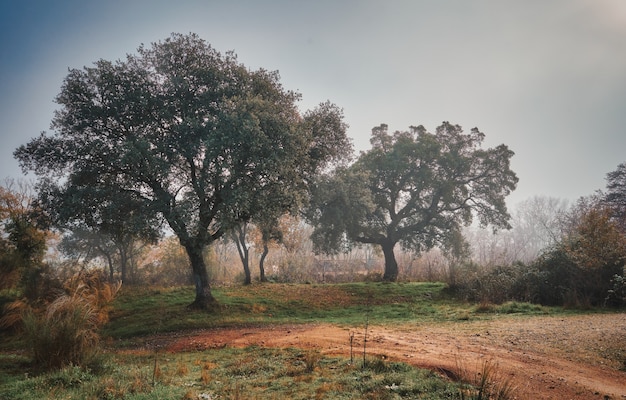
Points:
point(615, 195)
point(495, 285)
point(187, 134)
point(414, 188)
point(597, 248)
point(597, 242)
point(585, 269)
point(616, 295)
point(22, 241)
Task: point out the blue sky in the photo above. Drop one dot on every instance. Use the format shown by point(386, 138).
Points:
point(547, 78)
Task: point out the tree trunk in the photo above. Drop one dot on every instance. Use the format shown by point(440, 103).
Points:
point(266, 250)
point(123, 264)
point(204, 298)
point(391, 265)
point(246, 270)
point(239, 237)
point(110, 261)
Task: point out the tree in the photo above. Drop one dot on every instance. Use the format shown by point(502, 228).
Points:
point(582, 268)
point(192, 135)
point(597, 242)
point(239, 236)
point(84, 245)
point(537, 224)
point(269, 233)
point(22, 239)
point(414, 188)
point(100, 222)
point(616, 194)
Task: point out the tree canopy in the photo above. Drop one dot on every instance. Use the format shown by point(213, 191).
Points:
point(187, 134)
point(414, 188)
point(615, 195)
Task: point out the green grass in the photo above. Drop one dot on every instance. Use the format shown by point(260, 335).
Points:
point(250, 373)
point(143, 311)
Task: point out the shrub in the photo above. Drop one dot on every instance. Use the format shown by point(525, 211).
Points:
point(64, 334)
point(616, 296)
point(64, 331)
point(488, 384)
point(562, 281)
point(497, 285)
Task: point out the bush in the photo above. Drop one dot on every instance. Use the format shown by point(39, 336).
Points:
point(554, 279)
point(561, 281)
point(64, 334)
point(497, 285)
point(616, 296)
point(64, 331)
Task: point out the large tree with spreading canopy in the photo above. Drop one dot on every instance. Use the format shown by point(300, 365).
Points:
point(414, 188)
point(188, 134)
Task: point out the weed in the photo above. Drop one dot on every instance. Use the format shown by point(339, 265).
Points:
point(181, 369)
point(488, 384)
point(311, 359)
point(205, 376)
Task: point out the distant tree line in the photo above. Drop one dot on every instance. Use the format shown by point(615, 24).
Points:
point(582, 264)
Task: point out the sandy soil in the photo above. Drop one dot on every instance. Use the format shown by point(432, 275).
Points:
point(574, 357)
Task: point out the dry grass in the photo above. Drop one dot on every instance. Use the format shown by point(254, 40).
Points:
point(64, 331)
point(487, 384)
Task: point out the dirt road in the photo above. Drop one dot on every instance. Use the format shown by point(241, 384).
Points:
point(574, 357)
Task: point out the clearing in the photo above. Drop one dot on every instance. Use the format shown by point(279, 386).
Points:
point(545, 357)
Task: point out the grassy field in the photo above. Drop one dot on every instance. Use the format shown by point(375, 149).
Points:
point(249, 373)
point(148, 311)
point(124, 371)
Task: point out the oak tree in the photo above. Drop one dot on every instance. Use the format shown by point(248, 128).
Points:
point(192, 135)
point(414, 188)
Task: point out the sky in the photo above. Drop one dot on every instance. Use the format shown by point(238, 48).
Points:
point(546, 78)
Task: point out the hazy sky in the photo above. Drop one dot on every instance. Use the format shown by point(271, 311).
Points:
point(545, 77)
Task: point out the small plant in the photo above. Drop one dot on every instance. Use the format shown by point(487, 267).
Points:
point(487, 384)
point(311, 359)
point(205, 376)
point(181, 369)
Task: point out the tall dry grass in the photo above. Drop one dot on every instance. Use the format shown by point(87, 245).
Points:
point(487, 384)
point(64, 331)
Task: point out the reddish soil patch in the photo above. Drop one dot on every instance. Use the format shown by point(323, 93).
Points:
point(576, 357)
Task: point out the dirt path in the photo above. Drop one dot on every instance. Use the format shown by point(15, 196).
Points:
point(575, 357)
